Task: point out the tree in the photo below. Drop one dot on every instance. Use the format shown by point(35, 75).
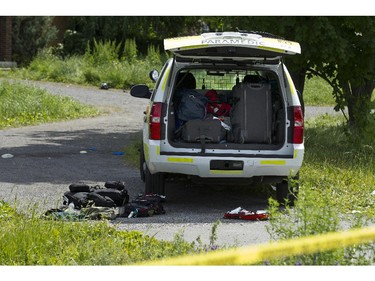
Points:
point(30, 34)
point(145, 30)
point(341, 50)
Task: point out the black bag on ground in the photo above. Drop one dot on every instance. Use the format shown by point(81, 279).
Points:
point(119, 197)
point(82, 195)
point(115, 185)
point(138, 210)
point(151, 202)
point(145, 206)
point(79, 199)
point(79, 187)
point(100, 201)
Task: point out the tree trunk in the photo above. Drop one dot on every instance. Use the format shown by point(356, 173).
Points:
point(358, 99)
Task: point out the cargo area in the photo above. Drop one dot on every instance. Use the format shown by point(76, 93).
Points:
point(226, 109)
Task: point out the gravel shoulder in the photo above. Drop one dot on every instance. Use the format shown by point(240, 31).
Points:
point(49, 157)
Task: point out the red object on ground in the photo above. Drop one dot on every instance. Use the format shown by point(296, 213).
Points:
point(243, 214)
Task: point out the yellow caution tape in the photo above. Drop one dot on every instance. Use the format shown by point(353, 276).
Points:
point(255, 254)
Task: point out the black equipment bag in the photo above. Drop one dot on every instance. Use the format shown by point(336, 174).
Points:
point(119, 197)
point(79, 199)
point(251, 116)
point(145, 206)
point(100, 200)
point(190, 105)
point(82, 195)
point(115, 185)
point(203, 131)
point(79, 187)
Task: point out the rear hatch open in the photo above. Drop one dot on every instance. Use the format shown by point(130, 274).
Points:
point(230, 45)
point(223, 55)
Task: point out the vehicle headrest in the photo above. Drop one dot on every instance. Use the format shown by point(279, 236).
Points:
point(186, 80)
point(252, 79)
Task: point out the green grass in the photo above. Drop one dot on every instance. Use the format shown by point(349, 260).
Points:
point(34, 240)
point(318, 92)
point(337, 184)
point(340, 164)
point(22, 105)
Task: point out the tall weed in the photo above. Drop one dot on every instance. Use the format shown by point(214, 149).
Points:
point(130, 53)
point(102, 53)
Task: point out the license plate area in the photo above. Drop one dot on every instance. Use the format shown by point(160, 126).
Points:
point(231, 165)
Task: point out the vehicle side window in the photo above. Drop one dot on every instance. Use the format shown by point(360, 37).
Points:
point(161, 76)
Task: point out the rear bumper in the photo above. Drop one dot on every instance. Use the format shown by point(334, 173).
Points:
point(200, 165)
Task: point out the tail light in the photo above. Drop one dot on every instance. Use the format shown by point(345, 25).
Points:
point(298, 125)
point(155, 121)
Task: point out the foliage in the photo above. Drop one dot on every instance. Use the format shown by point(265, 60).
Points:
point(338, 49)
point(318, 92)
point(99, 64)
point(102, 53)
point(132, 151)
point(29, 35)
point(130, 51)
point(144, 30)
point(22, 105)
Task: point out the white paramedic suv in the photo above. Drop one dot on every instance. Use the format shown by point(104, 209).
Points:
point(225, 109)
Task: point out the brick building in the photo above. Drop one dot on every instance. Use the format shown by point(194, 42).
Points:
point(6, 42)
point(60, 22)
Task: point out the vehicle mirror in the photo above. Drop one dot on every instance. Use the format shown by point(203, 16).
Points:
point(154, 75)
point(140, 91)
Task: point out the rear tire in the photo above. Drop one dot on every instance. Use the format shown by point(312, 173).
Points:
point(154, 183)
point(287, 191)
point(142, 163)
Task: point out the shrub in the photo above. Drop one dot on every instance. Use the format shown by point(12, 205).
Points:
point(130, 53)
point(102, 53)
point(29, 35)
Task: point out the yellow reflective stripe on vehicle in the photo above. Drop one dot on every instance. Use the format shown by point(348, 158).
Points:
point(291, 84)
point(145, 149)
point(272, 49)
point(295, 153)
point(157, 150)
point(180, 160)
point(272, 162)
point(165, 79)
point(226, 172)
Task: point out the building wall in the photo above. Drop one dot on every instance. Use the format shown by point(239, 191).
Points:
point(5, 38)
point(62, 24)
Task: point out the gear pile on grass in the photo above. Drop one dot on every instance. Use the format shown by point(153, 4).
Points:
point(95, 202)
